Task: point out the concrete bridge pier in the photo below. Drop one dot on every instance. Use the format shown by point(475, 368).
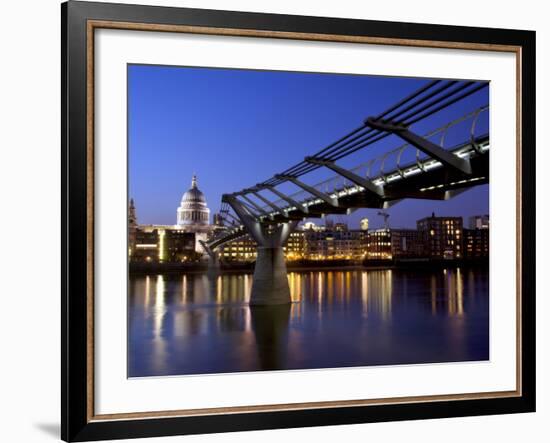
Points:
point(270, 282)
point(213, 265)
point(213, 259)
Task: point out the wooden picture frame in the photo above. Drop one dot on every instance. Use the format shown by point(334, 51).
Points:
point(79, 22)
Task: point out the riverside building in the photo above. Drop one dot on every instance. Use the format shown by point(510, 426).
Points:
point(172, 243)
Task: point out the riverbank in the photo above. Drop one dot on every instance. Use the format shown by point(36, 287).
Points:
point(310, 265)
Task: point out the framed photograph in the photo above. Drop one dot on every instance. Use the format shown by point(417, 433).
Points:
point(277, 221)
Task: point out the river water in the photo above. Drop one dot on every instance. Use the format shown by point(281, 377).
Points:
point(198, 324)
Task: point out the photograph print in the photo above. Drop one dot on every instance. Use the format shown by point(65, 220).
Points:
point(285, 221)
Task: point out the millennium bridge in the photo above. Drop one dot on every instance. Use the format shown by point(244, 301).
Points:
point(420, 167)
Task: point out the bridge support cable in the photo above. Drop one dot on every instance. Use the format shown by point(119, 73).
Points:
point(229, 220)
point(351, 176)
point(228, 214)
point(267, 202)
point(375, 135)
point(408, 98)
point(254, 205)
point(346, 140)
point(360, 141)
point(253, 212)
point(328, 149)
point(344, 150)
point(299, 206)
point(432, 98)
point(332, 201)
point(447, 158)
point(442, 106)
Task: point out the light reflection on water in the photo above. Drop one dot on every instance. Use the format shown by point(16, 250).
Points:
point(196, 323)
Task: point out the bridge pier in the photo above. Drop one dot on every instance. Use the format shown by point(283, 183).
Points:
point(270, 282)
point(213, 259)
point(213, 265)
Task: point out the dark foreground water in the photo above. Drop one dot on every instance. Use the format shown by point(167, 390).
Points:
point(196, 324)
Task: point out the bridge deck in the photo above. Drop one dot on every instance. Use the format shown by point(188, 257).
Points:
point(426, 179)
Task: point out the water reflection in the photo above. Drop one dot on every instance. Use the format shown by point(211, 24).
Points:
point(200, 323)
point(270, 326)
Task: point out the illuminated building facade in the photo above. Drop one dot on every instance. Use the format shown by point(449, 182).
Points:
point(379, 246)
point(476, 243)
point(295, 247)
point(163, 245)
point(311, 242)
point(145, 247)
point(476, 239)
point(395, 244)
point(435, 238)
point(242, 249)
point(442, 236)
point(338, 243)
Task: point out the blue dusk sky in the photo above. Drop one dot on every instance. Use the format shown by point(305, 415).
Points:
point(235, 128)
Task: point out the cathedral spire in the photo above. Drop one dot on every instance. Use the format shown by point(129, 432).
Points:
point(194, 181)
point(132, 218)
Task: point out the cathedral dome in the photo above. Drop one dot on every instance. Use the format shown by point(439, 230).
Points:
point(194, 194)
point(193, 211)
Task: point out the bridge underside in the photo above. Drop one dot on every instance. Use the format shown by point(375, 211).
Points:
point(434, 184)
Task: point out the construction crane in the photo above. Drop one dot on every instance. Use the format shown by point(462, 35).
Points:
point(386, 217)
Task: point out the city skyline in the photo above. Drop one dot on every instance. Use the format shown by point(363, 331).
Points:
point(342, 219)
point(180, 119)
